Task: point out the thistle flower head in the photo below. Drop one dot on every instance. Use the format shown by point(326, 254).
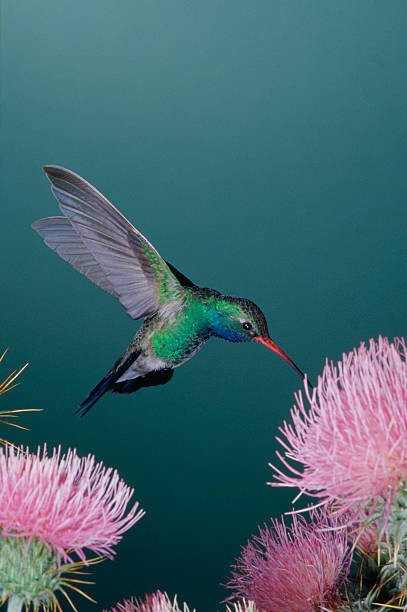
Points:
point(50, 508)
point(67, 502)
point(350, 443)
point(293, 569)
point(155, 602)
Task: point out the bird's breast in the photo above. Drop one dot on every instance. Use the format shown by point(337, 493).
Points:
point(179, 340)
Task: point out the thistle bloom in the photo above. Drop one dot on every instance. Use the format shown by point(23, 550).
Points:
point(160, 602)
point(51, 507)
point(299, 568)
point(155, 602)
point(351, 441)
point(69, 502)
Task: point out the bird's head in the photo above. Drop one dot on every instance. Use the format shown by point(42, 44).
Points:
point(241, 320)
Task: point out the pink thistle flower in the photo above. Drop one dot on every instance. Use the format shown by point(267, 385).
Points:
point(155, 602)
point(368, 537)
point(299, 568)
point(67, 502)
point(242, 606)
point(351, 441)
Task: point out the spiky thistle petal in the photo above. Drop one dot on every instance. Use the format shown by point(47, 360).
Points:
point(242, 606)
point(154, 602)
point(297, 568)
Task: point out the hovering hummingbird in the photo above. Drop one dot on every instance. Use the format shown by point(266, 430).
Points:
point(99, 242)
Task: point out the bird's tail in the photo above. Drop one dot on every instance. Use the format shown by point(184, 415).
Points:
point(107, 382)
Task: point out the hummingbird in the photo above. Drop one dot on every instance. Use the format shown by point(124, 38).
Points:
point(179, 316)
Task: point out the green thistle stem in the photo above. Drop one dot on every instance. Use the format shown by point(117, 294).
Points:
point(14, 604)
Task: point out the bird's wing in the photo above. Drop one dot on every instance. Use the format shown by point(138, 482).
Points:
point(59, 235)
point(105, 247)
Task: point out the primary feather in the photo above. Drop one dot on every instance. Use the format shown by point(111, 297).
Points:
point(59, 235)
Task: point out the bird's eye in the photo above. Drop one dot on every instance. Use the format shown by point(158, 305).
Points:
point(246, 325)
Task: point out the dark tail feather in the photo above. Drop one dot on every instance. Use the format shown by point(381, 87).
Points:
point(106, 383)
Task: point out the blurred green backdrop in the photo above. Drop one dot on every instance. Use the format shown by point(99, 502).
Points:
point(262, 147)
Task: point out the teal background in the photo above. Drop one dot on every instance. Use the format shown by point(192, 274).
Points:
point(261, 146)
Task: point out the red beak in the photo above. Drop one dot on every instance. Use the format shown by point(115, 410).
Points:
point(276, 349)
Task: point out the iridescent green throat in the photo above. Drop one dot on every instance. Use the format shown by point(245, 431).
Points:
point(205, 313)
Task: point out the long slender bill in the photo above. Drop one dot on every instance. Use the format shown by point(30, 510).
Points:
point(270, 344)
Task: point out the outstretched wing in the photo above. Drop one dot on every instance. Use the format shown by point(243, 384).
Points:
point(97, 240)
point(59, 235)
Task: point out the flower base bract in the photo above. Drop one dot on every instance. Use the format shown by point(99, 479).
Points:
point(30, 571)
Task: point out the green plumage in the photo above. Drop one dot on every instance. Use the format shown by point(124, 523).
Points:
point(204, 313)
point(173, 342)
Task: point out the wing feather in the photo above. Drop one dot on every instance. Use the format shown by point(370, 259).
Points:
point(60, 236)
point(114, 255)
